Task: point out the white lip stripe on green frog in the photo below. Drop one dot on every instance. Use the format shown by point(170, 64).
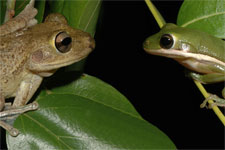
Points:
point(182, 54)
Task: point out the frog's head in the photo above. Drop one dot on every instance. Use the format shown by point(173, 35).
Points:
point(172, 41)
point(57, 45)
point(191, 48)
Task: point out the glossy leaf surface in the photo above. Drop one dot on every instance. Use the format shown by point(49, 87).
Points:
point(204, 15)
point(2, 10)
point(86, 114)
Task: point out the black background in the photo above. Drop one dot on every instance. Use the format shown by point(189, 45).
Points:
point(156, 86)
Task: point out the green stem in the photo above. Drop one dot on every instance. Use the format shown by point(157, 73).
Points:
point(159, 19)
point(10, 6)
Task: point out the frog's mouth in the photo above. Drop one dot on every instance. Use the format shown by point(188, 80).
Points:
point(178, 54)
point(63, 64)
point(46, 69)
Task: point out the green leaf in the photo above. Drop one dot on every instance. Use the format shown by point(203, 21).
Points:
point(20, 5)
point(2, 10)
point(204, 15)
point(80, 14)
point(40, 5)
point(96, 90)
point(86, 114)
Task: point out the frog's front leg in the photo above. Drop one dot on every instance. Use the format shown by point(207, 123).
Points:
point(10, 113)
point(207, 79)
point(3, 115)
point(27, 89)
point(218, 101)
point(6, 126)
point(25, 92)
point(2, 101)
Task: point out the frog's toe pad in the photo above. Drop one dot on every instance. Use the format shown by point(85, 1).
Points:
point(34, 105)
point(32, 22)
point(29, 13)
point(217, 101)
point(12, 131)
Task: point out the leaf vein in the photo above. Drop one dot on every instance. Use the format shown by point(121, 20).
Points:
point(82, 14)
point(92, 16)
point(102, 104)
point(201, 18)
point(49, 131)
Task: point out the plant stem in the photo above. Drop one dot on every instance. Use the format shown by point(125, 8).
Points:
point(158, 17)
point(214, 107)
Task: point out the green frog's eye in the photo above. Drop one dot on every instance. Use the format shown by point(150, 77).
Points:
point(166, 41)
point(63, 42)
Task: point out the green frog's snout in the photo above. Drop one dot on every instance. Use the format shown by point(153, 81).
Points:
point(146, 44)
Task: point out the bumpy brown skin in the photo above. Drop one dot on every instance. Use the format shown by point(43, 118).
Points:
point(28, 54)
point(31, 53)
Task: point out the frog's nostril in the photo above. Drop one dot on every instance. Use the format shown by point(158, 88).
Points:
point(146, 43)
point(92, 43)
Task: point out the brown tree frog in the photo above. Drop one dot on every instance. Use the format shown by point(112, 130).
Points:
point(30, 51)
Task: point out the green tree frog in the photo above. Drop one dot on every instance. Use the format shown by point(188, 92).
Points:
point(200, 52)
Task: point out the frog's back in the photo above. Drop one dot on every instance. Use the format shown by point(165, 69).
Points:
point(12, 60)
point(12, 55)
point(203, 42)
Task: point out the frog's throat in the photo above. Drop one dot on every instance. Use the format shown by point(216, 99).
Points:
point(66, 63)
point(177, 54)
point(53, 66)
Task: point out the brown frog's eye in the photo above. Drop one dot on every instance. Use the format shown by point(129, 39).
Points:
point(63, 42)
point(166, 41)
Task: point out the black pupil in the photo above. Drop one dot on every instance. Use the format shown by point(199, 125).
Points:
point(166, 41)
point(63, 42)
point(66, 41)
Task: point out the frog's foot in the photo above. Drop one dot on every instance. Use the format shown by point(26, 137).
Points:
point(217, 101)
point(28, 14)
point(23, 20)
point(12, 131)
point(10, 113)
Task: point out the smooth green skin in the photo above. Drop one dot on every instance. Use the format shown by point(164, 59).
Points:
point(210, 68)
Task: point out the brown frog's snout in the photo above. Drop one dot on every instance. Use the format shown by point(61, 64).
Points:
point(92, 43)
